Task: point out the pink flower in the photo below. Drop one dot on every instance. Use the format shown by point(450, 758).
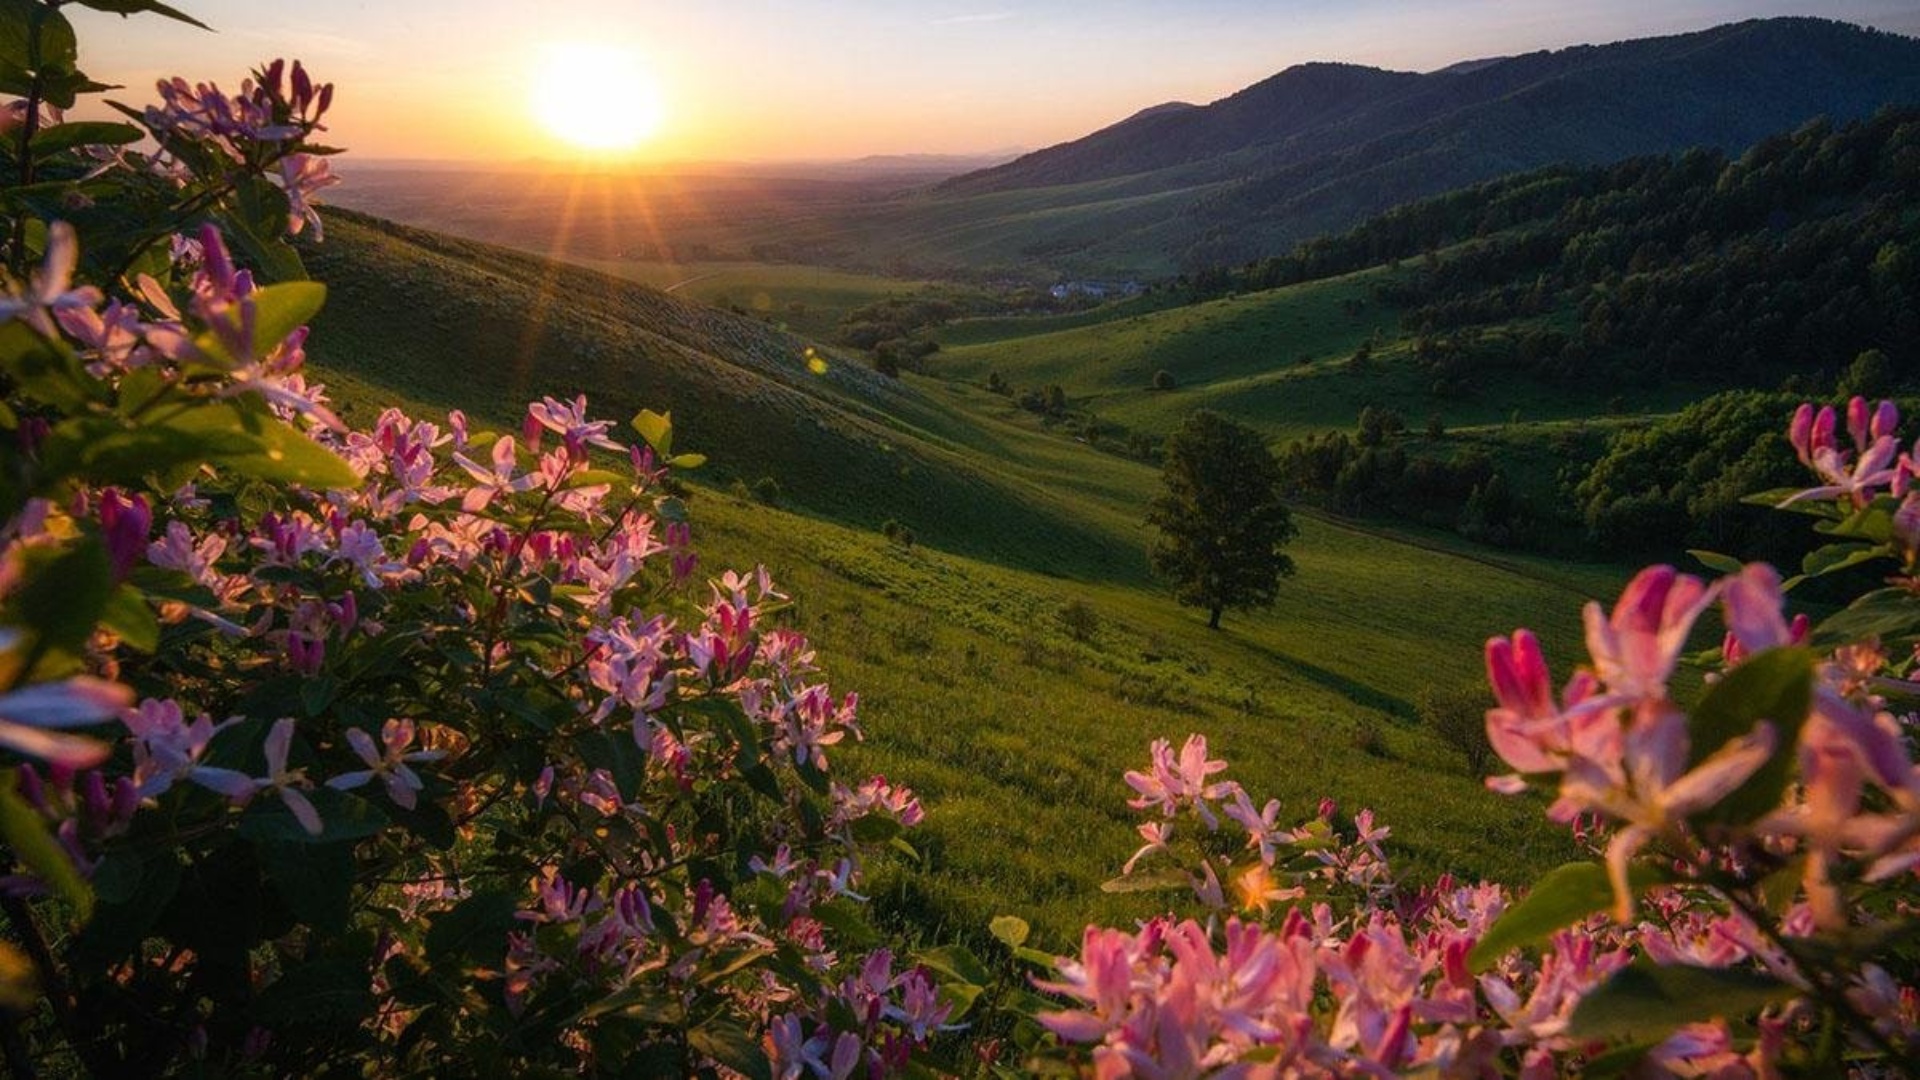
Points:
point(390, 765)
point(1651, 789)
point(302, 176)
point(495, 479)
point(1528, 729)
point(27, 714)
point(1634, 650)
point(570, 422)
point(50, 290)
point(282, 781)
point(1172, 783)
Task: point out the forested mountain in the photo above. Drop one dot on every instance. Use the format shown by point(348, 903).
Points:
point(1321, 146)
point(1795, 266)
point(1789, 260)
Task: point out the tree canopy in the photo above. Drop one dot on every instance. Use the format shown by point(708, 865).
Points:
point(1220, 517)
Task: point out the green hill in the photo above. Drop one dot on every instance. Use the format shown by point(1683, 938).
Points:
point(974, 689)
point(1319, 147)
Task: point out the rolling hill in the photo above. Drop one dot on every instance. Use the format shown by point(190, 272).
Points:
point(1014, 725)
point(1319, 147)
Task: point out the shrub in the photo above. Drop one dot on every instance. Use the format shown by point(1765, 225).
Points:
point(1163, 380)
point(1458, 717)
point(766, 490)
point(381, 751)
point(1079, 620)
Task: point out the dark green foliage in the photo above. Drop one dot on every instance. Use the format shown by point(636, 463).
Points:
point(1079, 620)
point(1318, 147)
point(767, 490)
point(1457, 716)
point(897, 533)
point(1163, 380)
point(1679, 483)
point(1377, 425)
point(1799, 252)
point(1220, 517)
point(1337, 469)
point(1870, 375)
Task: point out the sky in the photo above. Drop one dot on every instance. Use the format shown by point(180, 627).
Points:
point(771, 80)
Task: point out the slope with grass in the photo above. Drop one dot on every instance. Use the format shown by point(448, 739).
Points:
point(427, 316)
point(1015, 725)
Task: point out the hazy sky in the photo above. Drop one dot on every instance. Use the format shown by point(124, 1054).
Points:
point(772, 79)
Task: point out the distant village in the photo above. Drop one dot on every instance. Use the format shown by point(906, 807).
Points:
point(1097, 290)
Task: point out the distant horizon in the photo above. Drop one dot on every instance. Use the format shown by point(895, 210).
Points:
point(972, 84)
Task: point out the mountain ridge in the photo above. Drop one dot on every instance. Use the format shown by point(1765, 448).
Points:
point(1319, 146)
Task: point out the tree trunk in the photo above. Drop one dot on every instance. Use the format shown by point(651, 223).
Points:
point(1213, 623)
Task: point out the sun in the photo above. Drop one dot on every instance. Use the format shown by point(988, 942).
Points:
point(596, 97)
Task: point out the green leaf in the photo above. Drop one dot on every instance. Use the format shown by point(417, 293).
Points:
point(62, 87)
point(656, 429)
point(1888, 614)
point(956, 963)
point(732, 1046)
point(124, 8)
point(52, 140)
point(1010, 930)
point(133, 885)
point(257, 444)
point(1775, 686)
point(26, 835)
point(1645, 1002)
point(315, 881)
point(46, 371)
point(128, 615)
point(65, 592)
point(278, 310)
point(1713, 560)
point(687, 461)
point(317, 993)
point(36, 37)
point(139, 388)
point(1836, 557)
point(1565, 896)
point(474, 929)
point(273, 258)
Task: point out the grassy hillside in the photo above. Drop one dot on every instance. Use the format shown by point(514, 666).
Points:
point(428, 316)
point(974, 690)
point(1280, 360)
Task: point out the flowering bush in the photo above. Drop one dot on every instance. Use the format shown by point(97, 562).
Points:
point(1751, 913)
point(398, 748)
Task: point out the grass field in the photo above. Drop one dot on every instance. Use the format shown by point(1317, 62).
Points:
point(807, 300)
point(1279, 360)
point(973, 689)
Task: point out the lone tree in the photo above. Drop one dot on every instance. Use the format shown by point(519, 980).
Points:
point(1220, 517)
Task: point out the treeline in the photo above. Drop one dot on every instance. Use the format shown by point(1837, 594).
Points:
point(1793, 258)
point(897, 332)
point(1368, 471)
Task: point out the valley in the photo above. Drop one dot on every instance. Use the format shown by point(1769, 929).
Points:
point(937, 523)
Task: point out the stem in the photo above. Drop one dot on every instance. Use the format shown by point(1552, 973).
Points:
point(29, 127)
point(1830, 993)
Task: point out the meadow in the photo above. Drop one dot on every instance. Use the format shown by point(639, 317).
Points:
point(1014, 723)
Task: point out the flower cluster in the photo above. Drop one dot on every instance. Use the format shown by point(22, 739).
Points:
point(401, 715)
point(1759, 844)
